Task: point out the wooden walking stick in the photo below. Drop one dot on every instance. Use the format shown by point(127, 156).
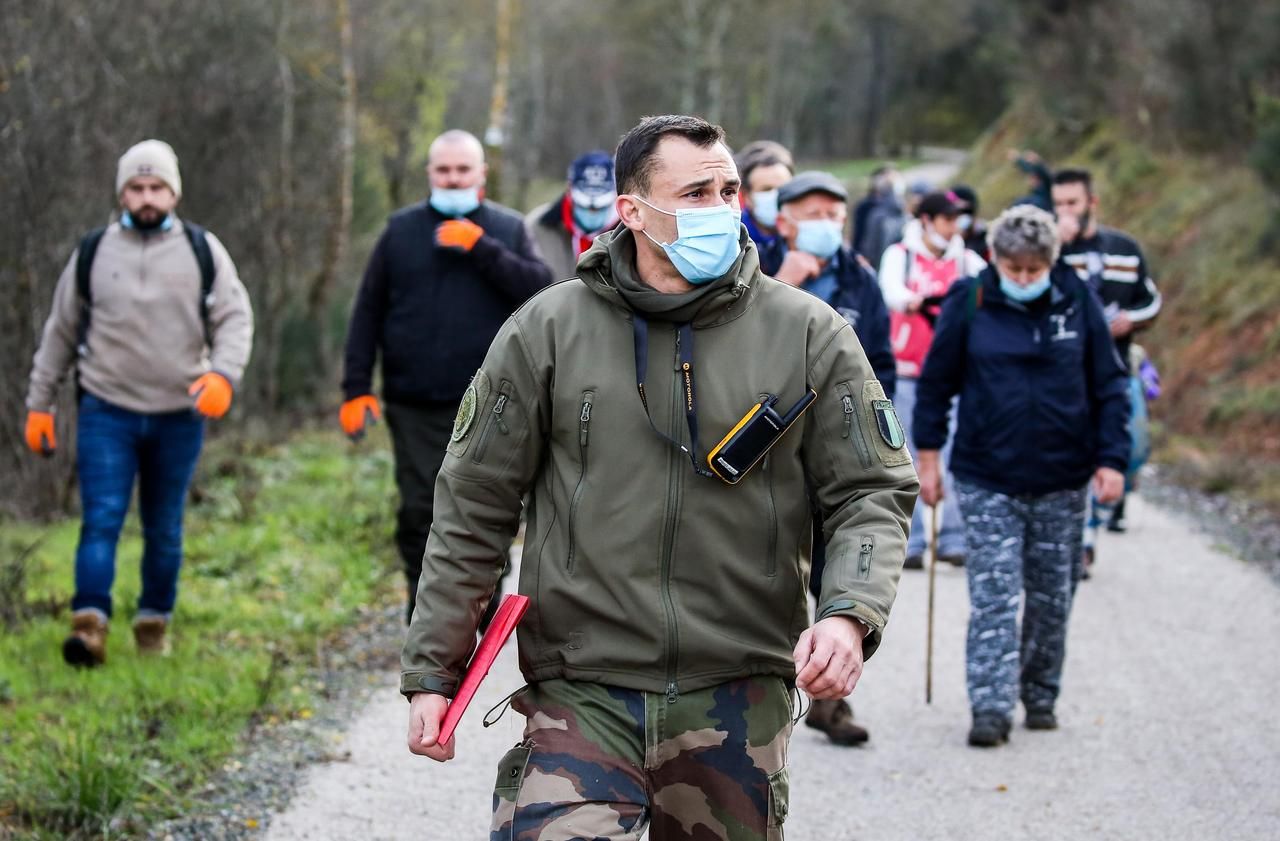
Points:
point(933, 568)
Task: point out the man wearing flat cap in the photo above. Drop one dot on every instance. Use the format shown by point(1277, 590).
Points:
point(810, 253)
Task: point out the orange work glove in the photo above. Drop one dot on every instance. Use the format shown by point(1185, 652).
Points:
point(40, 437)
point(461, 234)
point(213, 394)
point(358, 413)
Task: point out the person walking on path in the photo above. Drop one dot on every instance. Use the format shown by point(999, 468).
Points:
point(565, 227)
point(442, 279)
point(153, 317)
point(1112, 263)
point(810, 254)
point(669, 621)
point(915, 275)
point(764, 166)
point(880, 218)
point(1043, 407)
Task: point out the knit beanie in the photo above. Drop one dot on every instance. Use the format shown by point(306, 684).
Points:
point(150, 157)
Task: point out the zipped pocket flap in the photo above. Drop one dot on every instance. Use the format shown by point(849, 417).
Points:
point(851, 425)
point(584, 418)
point(866, 552)
point(494, 422)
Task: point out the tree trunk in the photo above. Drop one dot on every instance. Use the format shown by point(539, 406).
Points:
point(495, 136)
point(338, 240)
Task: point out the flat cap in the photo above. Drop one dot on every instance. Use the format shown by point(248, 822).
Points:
point(812, 181)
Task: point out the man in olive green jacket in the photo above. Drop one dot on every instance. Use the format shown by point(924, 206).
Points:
point(669, 621)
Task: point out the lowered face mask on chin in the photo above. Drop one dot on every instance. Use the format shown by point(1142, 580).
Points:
point(935, 239)
point(1024, 294)
point(455, 203)
point(132, 223)
point(706, 242)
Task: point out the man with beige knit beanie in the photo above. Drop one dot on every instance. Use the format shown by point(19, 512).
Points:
point(151, 315)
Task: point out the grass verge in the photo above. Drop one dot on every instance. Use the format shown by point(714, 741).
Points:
point(285, 546)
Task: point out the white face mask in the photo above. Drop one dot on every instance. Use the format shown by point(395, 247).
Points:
point(937, 240)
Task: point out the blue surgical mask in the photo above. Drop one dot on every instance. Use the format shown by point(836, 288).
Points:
point(455, 202)
point(764, 207)
point(706, 242)
point(1023, 294)
point(820, 237)
point(127, 221)
point(591, 218)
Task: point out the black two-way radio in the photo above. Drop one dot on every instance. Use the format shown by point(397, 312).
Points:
point(749, 441)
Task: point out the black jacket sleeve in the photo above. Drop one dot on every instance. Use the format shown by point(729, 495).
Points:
point(1108, 389)
point(364, 331)
point(1144, 302)
point(944, 367)
point(519, 272)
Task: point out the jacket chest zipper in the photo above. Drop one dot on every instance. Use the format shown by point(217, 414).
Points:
point(584, 432)
point(495, 420)
point(771, 563)
point(672, 509)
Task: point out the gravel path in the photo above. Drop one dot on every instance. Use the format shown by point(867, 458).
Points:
point(1168, 712)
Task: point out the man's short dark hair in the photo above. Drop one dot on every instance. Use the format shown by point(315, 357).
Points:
point(1075, 175)
point(634, 159)
point(760, 153)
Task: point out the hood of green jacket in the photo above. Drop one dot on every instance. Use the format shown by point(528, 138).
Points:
point(609, 270)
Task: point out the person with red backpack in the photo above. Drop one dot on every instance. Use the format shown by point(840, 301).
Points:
point(152, 315)
point(915, 275)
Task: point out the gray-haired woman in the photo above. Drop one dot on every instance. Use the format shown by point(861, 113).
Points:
point(1043, 409)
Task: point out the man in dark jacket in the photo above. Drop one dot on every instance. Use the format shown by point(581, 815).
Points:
point(444, 276)
point(810, 254)
point(1112, 263)
point(764, 166)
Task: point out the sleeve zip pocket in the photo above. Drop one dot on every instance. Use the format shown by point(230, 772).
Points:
point(495, 419)
point(867, 545)
point(859, 441)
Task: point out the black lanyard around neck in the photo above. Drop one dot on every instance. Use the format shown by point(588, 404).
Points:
point(684, 347)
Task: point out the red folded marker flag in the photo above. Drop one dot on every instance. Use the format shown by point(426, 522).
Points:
point(504, 622)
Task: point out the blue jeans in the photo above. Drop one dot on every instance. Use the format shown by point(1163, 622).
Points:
point(951, 530)
point(115, 445)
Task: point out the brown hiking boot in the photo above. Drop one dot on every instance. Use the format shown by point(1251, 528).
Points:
point(87, 645)
point(148, 635)
point(835, 718)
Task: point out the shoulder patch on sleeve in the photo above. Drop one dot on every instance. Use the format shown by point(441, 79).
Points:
point(472, 399)
point(891, 439)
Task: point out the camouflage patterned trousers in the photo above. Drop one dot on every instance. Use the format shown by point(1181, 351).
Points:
point(600, 762)
point(1019, 543)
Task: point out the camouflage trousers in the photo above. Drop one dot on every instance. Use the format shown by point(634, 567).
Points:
point(1019, 543)
point(600, 762)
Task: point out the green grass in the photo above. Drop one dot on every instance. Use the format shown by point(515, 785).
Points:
point(285, 546)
